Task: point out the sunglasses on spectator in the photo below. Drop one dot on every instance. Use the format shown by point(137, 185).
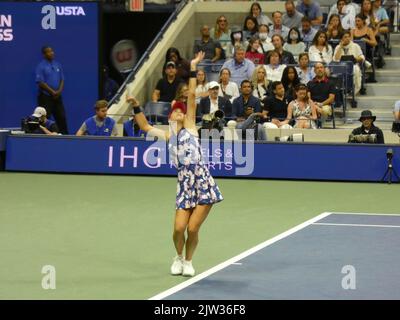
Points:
point(222, 20)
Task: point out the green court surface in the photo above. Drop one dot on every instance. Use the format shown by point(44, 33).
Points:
point(110, 237)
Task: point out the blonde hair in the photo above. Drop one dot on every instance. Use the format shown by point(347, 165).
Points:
point(254, 79)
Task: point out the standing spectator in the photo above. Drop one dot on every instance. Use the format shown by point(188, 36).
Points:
point(291, 18)
point(50, 80)
point(252, 52)
point(286, 56)
point(182, 65)
point(265, 40)
point(221, 33)
point(208, 105)
point(312, 10)
point(100, 124)
point(256, 12)
point(211, 48)
point(110, 86)
point(320, 49)
point(277, 27)
point(276, 107)
point(396, 111)
point(274, 68)
point(294, 44)
point(290, 80)
point(302, 109)
point(367, 128)
point(305, 72)
point(240, 67)
point(322, 91)
point(227, 89)
point(307, 32)
point(260, 84)
point(246, 99)
point(250, 27)
point(166, 87)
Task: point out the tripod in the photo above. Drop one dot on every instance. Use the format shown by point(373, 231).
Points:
point(390, 170)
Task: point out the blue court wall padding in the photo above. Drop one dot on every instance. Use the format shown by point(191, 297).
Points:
point(276, 160)
point(72, 30)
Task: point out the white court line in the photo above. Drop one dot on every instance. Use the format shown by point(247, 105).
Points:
point(368, 214)
point(355, 225)
point(233, 260)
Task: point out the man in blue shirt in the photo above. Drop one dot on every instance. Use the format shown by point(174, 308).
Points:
point(50, 80)
point(100, 124)
point(246, 99)
point(311, 10)
point(240, 67)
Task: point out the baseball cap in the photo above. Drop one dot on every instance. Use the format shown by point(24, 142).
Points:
point(212, 84)
point(170, 63)
point(39, 112)
point(177, 105)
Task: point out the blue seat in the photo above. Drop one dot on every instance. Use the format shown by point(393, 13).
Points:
point(157, 112)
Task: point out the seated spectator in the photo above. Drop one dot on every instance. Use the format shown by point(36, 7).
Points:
point(302, 109)
point(201, 88)
point(277, 26)
point(182, 65)
point(250, 27)
point(290, 80)
point(307, 32)
point(251, 126)
point(240, 67)
point(334, 28)
point(110, 86)
point(346, 14)
point(166, 87)
point(311, 10)
point(227, 89)
point(294, 44)
point(244, 100)
point(99, 124)
point(236, 41)
point(132, 129)
point(252, 52)
point(276, 107)
point(265, 40)
point(396, 111)
point(367, 133)
point(320, 50)
point(274, 68)
point(322, 91)
point(367, 11)
point(211, 48)
point(38, 123)
point(256, 12)
point(347, 47)
point(305, 72)
point(286, 56)
point(214, 102)
point(221, 33)
point(260, 84)
point(382, 20)
point(292, 18)
point(182, 93)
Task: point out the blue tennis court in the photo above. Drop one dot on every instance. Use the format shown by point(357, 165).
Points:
point(332, 256)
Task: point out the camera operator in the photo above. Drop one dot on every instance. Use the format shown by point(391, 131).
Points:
point(38, 123)
point(367, 133)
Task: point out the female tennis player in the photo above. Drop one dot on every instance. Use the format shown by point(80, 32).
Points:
point(196, 190)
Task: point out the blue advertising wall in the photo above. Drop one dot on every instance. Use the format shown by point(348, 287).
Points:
point(73, 33)
point(304, 161)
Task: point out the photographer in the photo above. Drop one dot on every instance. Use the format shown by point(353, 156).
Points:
point(367, 133)
point(38, 123)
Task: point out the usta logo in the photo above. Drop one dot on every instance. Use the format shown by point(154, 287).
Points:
point(50, 12)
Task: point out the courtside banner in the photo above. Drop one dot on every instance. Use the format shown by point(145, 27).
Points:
point(71, 29)
point(276, 160)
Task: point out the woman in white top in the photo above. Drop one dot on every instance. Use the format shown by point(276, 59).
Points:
point(302, 109)
point(321, 50)
point(201, 85)
point(294, 43)
point(227, 89)
point(274, 68)
point(260, 84)
point(305, 72)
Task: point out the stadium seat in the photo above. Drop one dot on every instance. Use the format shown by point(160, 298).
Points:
point(157, 112)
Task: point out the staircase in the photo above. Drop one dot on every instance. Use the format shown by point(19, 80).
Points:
point(381, 96)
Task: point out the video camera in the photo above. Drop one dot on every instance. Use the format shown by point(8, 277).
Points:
point(217, 121)
point(363, 138)
point(30, 125)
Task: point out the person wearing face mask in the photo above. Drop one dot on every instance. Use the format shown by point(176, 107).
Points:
point(236, 40)
point(294, 44)
point(265, 40)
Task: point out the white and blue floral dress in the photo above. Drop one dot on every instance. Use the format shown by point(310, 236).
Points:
point(195, 183)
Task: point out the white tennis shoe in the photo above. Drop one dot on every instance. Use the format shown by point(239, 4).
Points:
point(188, 270)
point(177, 266)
